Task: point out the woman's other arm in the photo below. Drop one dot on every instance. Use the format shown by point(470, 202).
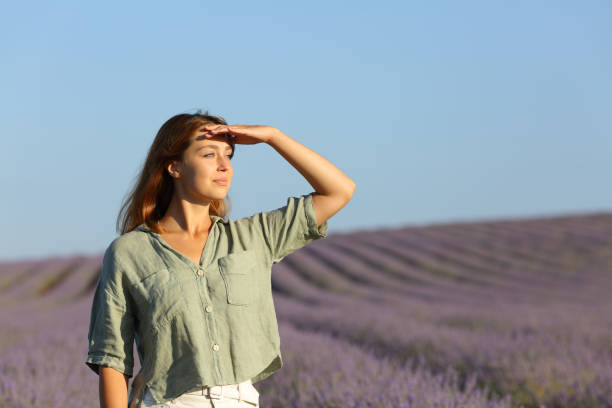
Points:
point(113, 388)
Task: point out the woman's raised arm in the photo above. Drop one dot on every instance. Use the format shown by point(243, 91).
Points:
point(333, 188)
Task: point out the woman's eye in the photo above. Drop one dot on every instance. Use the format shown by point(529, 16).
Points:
point(210, 154)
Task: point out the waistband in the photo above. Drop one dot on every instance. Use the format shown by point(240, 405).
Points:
point(243, 391)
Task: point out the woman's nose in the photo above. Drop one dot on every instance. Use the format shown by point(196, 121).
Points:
point(224, 163)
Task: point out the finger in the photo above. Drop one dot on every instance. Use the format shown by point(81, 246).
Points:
point(237, 129)
point(211, 126)
point(219, 129)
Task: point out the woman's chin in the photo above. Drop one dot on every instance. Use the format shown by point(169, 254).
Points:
point(213, 196)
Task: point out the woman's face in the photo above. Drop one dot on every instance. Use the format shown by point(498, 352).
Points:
point(206, 169)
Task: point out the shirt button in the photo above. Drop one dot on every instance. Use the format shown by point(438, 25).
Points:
point(216, 347)
point(200, 272)
point(209, 308)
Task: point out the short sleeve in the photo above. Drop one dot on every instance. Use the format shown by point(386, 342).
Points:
point(290, 227)
point(111, 325)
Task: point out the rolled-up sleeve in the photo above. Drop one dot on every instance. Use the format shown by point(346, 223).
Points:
point(290, 227)
point(112, 322)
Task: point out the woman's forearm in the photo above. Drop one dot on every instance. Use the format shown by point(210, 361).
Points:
point(113, 388)
point(322, 175)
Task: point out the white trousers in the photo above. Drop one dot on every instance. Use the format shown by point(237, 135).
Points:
point(243, 395)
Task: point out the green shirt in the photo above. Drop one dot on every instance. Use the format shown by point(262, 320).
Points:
point(208, 324)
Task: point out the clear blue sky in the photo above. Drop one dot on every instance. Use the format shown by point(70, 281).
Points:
point(439, 111)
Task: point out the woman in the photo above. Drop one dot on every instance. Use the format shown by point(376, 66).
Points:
point(192, 288)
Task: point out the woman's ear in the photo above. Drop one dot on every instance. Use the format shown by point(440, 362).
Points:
point(173, 169)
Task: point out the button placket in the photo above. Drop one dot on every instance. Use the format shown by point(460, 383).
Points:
point(208, 308)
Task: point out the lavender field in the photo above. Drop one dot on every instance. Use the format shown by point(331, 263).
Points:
point(502, 313)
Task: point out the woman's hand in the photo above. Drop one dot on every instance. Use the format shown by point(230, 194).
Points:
point(244, 134)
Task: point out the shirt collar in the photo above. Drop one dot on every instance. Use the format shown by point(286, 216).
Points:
point(144, 227)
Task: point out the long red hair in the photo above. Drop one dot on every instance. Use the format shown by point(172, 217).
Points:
point(150, 196)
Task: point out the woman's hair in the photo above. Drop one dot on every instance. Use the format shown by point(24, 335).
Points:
point(150, 196)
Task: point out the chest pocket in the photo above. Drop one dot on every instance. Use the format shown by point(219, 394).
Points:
point(159, 297)
point(237, 272)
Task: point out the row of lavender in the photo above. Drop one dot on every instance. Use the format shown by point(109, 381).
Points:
point(489, 314)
